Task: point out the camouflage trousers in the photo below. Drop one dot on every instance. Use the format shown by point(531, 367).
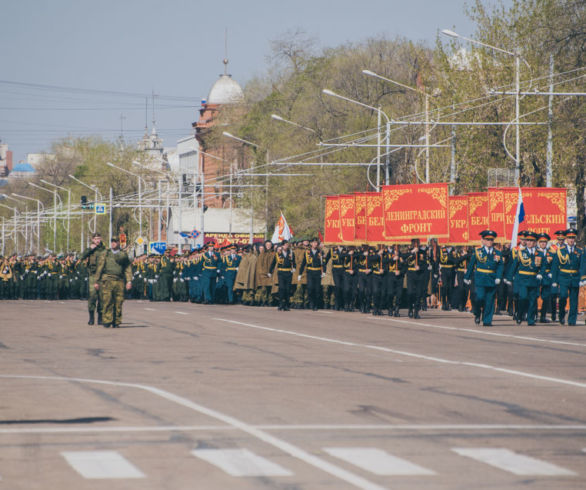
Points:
point(112, 299)
point(94, 296)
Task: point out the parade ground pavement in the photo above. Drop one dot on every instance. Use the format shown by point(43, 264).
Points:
point(200, 397)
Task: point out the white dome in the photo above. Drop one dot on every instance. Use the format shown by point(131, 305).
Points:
point(225, 91)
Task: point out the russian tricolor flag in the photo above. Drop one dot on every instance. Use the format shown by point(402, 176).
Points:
point(519, 218)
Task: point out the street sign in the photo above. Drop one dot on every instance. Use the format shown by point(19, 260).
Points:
point(139, 240)
point(157, 247)
point(100, 208)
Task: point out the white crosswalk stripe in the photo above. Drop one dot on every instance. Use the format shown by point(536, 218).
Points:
point(377, 461)
point(101, 464)
point(241, 462)
point(512, 462)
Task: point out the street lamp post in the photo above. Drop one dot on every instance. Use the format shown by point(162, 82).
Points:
point(54, 192)
point(14, 227)
point(95, 218)
point(39, 205)
point(380, 113)
point(25, 219)
point(250, 143)
point(516, 54)
point(427, 121)
point(139, 193)
point(68, 206)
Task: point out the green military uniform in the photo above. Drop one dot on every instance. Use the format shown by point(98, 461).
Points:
point(112, 273)
point(94, 296)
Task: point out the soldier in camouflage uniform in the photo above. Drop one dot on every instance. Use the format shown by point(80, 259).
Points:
point(93, 254)
point(113, 275)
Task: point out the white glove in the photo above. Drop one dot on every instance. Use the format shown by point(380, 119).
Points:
point(582, 283)
point(269, 274)
point(323, 274)
point(467, 281)
point(539, 277)
point(549, 275)
point(554, 285)
point(196, 278)
point(299, 277)
point(429, 267)
point(508, 283)
point(497, 281)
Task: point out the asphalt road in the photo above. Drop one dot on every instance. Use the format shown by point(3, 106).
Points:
point(189, 396)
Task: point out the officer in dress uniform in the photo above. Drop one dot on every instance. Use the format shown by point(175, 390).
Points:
point(555, 292)
point(566, 268)
point(210, 268)
point(284, 261)
point(545, 293)
point(230, 265)
point(314, 262)
point(364, 291)
point(487, 265)
point(528, 266)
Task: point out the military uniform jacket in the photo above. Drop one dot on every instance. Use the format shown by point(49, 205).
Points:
point(336, 257)
point(487, 266)
point(567, 267)
point(417, 261)
point(230, 265)
point(527, 266)
point(115, 265)
point(210, 264)
point(350, 263)
point(284, 263)
point(377, 263)
point(92, 254)
point(313, 261)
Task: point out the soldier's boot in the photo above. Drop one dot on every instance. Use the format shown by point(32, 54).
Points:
point(100, 318)
point(543, 316)
point(91, 320)
point(553, 309)
point(562, 315)
point(397, 313)
point(416, 313)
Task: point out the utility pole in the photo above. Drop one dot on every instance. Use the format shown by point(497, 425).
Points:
point(549, 155)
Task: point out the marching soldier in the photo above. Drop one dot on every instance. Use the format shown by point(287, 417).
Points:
point(417, 277)
point(487, 265)
point(447, 265)
point(395, 273)
point(337, 256)
point(555, 292)
point(209, 274)
point(113, 275)
point(542, 241)
point(92, 254)
point(528, 267)
point(378, 265)
point(230, 265)
point(350, 278)
point(363, 283)
point(284, 261)
point(313, 260)
point(566, 268)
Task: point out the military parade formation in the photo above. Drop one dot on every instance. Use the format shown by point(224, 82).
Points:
point(537, 281)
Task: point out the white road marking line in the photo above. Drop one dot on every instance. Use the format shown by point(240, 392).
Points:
point(377, 461)
point(181, 313)
point(265, 437)
point(512, 462)
point(480, 331)
point(307, 427)
point(241, 462)
point(150, 309)
point(409, 354)
point(101, 464)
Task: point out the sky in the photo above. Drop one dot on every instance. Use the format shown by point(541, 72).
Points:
point(79, 67)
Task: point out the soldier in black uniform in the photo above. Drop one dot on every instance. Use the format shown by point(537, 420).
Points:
point(337, 256)
point(314, 261)
point(377, 262)
point(417, 273)
point(394, 275)
point(350, 278)
point(461, 289)
point(447, 269)
point(364, 291)
point(284, 260)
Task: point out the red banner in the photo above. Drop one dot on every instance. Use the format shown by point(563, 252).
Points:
point(419, 210)
point(332, 230)
point(545, 209)
point(375, 222)
point(496, 212)
point(458, 212)
point(477, 215)
point(347, 217)
point(360, 214)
